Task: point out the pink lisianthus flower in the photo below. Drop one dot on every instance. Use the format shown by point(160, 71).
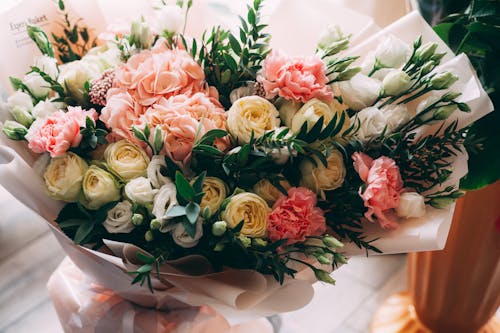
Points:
point(295, 217)
point(181, 118)
point(383, 186)
point(298, 79)
point(58, 132)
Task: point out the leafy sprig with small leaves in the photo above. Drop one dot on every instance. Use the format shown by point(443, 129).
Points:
point(155, 140)
point(92, 135)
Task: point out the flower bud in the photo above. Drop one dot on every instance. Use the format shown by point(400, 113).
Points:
point(141, 34)
point(155, 224)
point(437, 57)
point(340, 258)
point(137, 219)
point(148, 236)
point(441, 202)
point(324, 260)
point(245, 241)
point(395, 83)
point(219, 247)
point(442, 81)
point(329, 36)
point(444, 112)
point(14, 131)
point(41, 40)
point(332, 242)
point(427, 67)
point(323, 276)
point(259, 242)
point(426, 52)
point(449, 96)
point(22, 116)
point(219, 228)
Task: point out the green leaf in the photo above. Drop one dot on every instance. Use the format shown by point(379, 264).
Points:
point(61, 5)
point(102, 213)
point(139, 134)
point(235, 45)
point(189, 227)
point(175, 211)
point(144, 258)
point(198, 183)
point(230, 62)
point(243, 155)
point(208, 149)
point(212, 135)
point(183, 187)
point(192, 212)
point(84, 231)
point(71, 223)
point(144, 269)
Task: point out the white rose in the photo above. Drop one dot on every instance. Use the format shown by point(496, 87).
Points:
point(37, 85)
point(251, 114)
point(99, 188)
point(287, 110)
point(411, 204)
point(181, 238)
point(396, 116)
point(73, 76)
point(44, 109)
point(64, 176)
point(392, 52)
point(396, 82)
point(280, 156)
point(372, 123)
point(139, 190)
point(48, 65)
point(155, 171)
point(310, 113)
point(126, 159)
point(164, 200)
point(360, 92)
point(319, 178)
point(119, 219)
point(168, 19)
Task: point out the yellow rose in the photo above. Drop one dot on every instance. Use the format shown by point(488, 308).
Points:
point(268, 191)
point(215, 194)
point(64, 176)
point(99, 188)
point(251, 114)
point(310, 113)
point(252, 210)
point(320, 178)
point(126, 160)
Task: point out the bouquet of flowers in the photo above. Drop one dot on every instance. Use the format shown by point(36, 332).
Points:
point(225, 160)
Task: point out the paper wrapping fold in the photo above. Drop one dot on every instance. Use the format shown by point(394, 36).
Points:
point(85, 307)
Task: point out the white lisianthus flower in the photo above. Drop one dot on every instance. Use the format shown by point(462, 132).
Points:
point(396, 82)
point(392, 52)
point(181, 237)
point(64, 177)
point(99, 188)
point(126, 159)
point(73, 76)
point(310, 113)
point(139, 190)
point(319, 178)
point(169, 19)
point(372, 123)
point(119, 219)
point(141, 34)
point(360, 92)
point(287, 110)
point(368, 64)
point(411, 205)
point(48, 65)
point(426, 103)
point(104, 57)
point(154, 171)
point(20, 99)
point(396, 115)
point(164, 200)
point(251, 114)
point(37, 85)
point(330, 35)
point(44, 109)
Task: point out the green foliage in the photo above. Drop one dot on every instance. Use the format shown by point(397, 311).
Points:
point(474, 32)
point(41, 40)
point(92, 135)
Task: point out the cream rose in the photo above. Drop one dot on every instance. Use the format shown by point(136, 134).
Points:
point(396, 82)
point(319, 178)
point(64, 176)
point(126, 159)
point(215, 193)
point(251, 114)
point(310, 113)
point(270, 193)
point(164, 200)
point(411, 204)
point(140, 190)
point(359, 92)
point(155, 169)
point(119, 219)
point(181, 237)
point(73, 76)
point(287, 110)
point(249, 208)
point(99, 188)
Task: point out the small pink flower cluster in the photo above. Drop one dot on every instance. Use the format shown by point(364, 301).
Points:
point(298, 79)
point(296, 217)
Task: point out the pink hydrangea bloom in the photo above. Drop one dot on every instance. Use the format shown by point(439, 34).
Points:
point(295, 78)
point(181, 117)
point(58, 132)
point(161, 72)
point(296, 217)
point(383, 186)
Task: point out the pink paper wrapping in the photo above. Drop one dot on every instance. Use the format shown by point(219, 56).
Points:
point(85, 307)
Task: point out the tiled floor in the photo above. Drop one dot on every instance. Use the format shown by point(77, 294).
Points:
point(29, 254)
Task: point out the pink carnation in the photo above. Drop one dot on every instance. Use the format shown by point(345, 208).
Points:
point(181, 117)
point(161, 72)
point(120, 114)
point(295, 78)
point(383, 186)
point(296, 217)
point(58, 132)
